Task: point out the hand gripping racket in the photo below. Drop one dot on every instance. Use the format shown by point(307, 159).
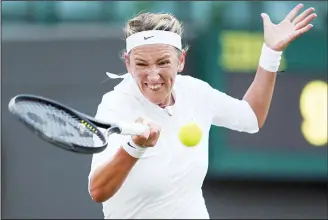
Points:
point(67, 128)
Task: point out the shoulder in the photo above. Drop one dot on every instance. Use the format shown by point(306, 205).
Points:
point(189, 82)
point(197, 88)
point(109, 98)
point(117, 100)
point(114, 106)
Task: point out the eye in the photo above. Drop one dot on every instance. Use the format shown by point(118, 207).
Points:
point(165, 62)
point(141, 64)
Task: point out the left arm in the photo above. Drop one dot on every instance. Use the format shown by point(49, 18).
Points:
point(276, 38)
point(259, 94)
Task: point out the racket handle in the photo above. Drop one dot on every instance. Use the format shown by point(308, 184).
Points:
point(135, 129)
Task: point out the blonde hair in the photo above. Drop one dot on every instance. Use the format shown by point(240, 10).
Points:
point(153, 21)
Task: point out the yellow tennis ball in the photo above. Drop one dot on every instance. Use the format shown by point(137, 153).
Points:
point(190, 134)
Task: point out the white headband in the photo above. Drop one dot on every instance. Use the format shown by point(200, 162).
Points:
point(153, 37)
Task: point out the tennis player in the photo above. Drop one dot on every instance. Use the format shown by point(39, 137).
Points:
point(154, 175)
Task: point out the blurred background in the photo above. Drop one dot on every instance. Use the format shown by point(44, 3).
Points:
point(62, 49)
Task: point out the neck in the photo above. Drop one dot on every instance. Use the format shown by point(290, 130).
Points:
point(167, 102)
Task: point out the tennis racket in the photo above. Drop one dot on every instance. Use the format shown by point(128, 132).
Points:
point(65, 127)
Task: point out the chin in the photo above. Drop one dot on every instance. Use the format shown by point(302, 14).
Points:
point(156, 98)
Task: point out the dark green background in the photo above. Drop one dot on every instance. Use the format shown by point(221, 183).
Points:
point(279, 149)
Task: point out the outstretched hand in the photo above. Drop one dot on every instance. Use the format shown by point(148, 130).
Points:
point(279, 36)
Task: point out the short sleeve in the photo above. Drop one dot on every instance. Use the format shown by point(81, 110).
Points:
point(106, 112)
point(231, 113)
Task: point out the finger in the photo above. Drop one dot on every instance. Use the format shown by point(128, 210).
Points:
point(305, 22)
point(144, 121)
point(302, 16)
point(154, 130)
point(154, 142)
point(155, 127)
point(153, 137)
point(145, 135)
point(292, 14)
point(266, 19)
point(142, 137)
point(302, 31)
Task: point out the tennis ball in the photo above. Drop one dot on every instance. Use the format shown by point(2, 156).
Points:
point(190, 134)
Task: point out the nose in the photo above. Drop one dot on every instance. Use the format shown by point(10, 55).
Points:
point(153, 75)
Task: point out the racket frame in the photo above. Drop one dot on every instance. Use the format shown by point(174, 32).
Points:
point(94, 124)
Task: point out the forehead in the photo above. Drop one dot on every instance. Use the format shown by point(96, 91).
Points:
point(153, 51)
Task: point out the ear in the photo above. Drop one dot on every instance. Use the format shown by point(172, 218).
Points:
point(127, 62)
point(182, 60)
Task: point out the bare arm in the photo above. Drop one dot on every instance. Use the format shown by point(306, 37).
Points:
point(259, 94)
point(108, 178)
point(277, 37)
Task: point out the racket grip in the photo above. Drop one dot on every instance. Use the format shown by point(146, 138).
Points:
point(135, 129)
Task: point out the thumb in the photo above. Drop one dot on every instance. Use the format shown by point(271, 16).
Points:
point(266, 19)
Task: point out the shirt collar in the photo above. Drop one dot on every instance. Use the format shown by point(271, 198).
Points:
point(129, 87)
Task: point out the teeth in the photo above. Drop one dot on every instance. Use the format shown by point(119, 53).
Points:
point(155, 87)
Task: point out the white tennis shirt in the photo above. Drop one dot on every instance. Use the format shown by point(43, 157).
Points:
point(167, 181)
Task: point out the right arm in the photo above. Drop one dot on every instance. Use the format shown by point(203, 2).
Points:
point(109, 177)
point(109, 174)
point(110, 168)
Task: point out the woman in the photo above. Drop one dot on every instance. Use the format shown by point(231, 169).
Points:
point(154, 175)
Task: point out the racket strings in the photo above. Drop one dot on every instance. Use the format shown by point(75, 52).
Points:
point(56, 123)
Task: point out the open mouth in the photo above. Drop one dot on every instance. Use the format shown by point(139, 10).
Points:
point(154, 87)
